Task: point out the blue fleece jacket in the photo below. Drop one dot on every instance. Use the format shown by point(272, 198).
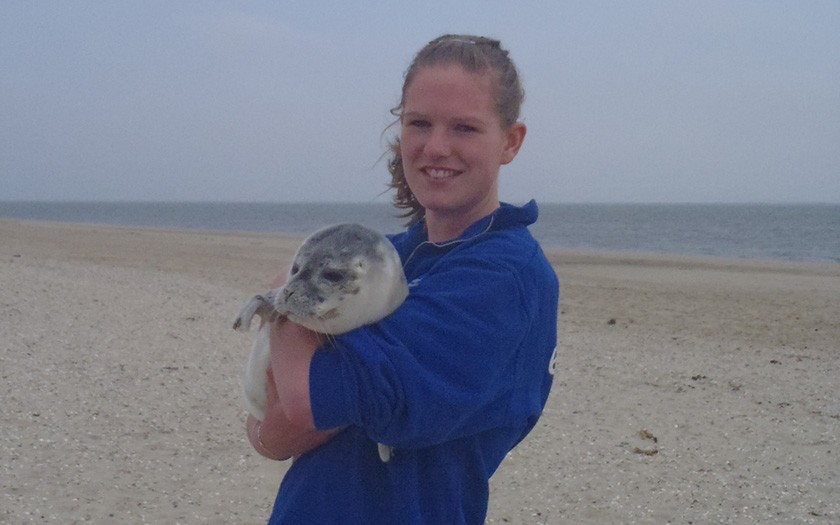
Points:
point(453, 380)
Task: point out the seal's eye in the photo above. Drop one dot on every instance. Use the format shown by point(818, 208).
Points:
point(332, 276)
point(295, 269)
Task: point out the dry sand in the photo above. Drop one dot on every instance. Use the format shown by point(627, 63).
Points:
point(689, 390)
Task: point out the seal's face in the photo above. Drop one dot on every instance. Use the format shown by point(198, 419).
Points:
point(342, 277)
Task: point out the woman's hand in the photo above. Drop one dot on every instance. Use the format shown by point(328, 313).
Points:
point(276, 437)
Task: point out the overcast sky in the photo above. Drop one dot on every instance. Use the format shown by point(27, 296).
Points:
point(626, 101)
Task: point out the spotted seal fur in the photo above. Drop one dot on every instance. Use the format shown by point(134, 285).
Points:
point(342, 277)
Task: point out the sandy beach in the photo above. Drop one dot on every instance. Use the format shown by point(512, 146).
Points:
point(689, 390)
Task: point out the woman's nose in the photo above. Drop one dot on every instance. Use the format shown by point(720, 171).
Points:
point(437, 144)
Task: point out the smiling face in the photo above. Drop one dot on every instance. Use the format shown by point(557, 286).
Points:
point(453, 143)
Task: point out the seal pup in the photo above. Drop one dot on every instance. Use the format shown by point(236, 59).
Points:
point(342, 277)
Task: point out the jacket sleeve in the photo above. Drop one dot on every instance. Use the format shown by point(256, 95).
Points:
point(446, 364)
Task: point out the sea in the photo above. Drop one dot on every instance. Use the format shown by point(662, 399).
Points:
point(787, 232)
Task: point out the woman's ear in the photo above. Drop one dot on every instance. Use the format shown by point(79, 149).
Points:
point(515, 137)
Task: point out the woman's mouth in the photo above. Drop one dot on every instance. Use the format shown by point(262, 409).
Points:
point(439, 173)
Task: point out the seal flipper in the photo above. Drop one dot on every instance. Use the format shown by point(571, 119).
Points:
point(385, 452)
point(262, 305)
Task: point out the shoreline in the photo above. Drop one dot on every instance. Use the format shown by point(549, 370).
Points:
point(556, 255)
point(689, 388)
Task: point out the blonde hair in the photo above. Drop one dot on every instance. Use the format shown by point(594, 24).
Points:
point(475, 54)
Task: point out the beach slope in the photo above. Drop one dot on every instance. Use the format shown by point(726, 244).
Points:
point(688, 390)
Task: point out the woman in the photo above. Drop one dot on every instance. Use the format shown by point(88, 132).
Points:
point(459, 374)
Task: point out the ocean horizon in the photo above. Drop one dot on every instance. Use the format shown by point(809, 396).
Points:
point(789, 232)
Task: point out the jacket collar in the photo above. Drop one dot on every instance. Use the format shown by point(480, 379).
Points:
point(505, 216)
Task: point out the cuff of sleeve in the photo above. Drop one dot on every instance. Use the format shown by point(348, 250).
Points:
point(330, 404)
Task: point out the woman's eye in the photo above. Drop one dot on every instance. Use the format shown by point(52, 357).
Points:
point(332, 276)
point(418, 123)
point(465, 128)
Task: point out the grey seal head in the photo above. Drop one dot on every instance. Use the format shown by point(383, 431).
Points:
point(342, 277)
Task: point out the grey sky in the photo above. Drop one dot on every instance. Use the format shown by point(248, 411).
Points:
point(643, 101)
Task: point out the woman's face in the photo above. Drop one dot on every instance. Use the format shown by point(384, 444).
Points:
point(453, 143)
